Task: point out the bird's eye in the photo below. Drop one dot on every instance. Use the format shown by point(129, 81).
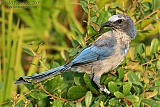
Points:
point(120, 21)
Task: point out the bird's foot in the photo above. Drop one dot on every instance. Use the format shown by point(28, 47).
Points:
point(107, 91)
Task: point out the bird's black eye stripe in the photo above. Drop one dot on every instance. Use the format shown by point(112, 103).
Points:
point(120, 21)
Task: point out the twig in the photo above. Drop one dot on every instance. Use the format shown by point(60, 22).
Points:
point(49, 94)
point(28, 92)
point(88, 22)
point(89, 11)
point(3, 103)
point(123, 5)
point(95, 35)
point(79, 100)
point(155, 11)
point(30, 48)
point(149, 85)
point(149, 62)
point(55, 97)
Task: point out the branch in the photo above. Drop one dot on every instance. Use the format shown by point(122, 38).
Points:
point(155, 11)
point(30, 48)
point(149, 62)
point(63, 99)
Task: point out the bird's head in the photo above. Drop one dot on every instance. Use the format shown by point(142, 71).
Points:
point(123, 23)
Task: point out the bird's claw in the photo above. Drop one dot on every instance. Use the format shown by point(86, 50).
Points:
point(106, 91)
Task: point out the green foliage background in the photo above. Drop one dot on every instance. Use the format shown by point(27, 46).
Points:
point(41, 35)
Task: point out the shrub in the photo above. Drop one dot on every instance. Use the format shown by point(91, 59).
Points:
point(54, 27)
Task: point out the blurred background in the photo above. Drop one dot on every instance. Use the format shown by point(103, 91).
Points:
point(37, 32)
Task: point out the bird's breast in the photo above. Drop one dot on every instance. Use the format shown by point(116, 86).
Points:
point(123, 44)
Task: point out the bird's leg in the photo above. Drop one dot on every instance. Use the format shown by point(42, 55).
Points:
point(96, 79)
point(106, 90)
point(91, 76)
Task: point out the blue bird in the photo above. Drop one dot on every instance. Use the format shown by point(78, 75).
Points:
point(101, 56)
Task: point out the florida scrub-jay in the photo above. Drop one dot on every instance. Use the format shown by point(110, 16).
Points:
point(101, 56)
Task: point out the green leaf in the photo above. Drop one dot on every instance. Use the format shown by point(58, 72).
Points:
point(88, 99)
point(78, 78)
point(20, 103)
point(146, 6)
point(154, 47)
point(150, 102)
point(132, 77)
point(134, 99)
point(65, 54)
point(75, 43)
point(113, 5)
point(114, 102)
point(28, 51)
point(38, 94)
point(139, 49)
point(57, 103)
point(54, 64)
point(93, 18)
point(118, 94)
point(73, 52)
point(96, 28)
point(1, 85)
point(113, 87)
point(54, 83)
point(126, 88)
point(90, 30)
point(157, 84)
point(158, 64)
point(29, 86)
point(92, 1)
point(89, 83)
point(121, 73)
point(73, 26)
point(95, 104)
point(155, 4)
point(76, 92)
point(108, 79)
point(80, 40)
point(102, 18)
point(84, 5)
point(70, 104)
point(78, 104)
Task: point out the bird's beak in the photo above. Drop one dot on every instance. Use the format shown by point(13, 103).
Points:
point(106, 24)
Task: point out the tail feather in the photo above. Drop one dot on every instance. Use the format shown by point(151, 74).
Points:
point(42, 76)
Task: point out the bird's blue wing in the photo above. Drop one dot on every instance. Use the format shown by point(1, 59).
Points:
point(99, 50)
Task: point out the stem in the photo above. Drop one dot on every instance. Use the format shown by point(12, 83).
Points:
point(3, 78)
point(88, 22)
point(38, 58)
point(89, 11)
point(155, 11)
point(55, 97)
point(149, 62)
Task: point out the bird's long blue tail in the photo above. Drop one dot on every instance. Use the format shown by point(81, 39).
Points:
point(42, 76)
